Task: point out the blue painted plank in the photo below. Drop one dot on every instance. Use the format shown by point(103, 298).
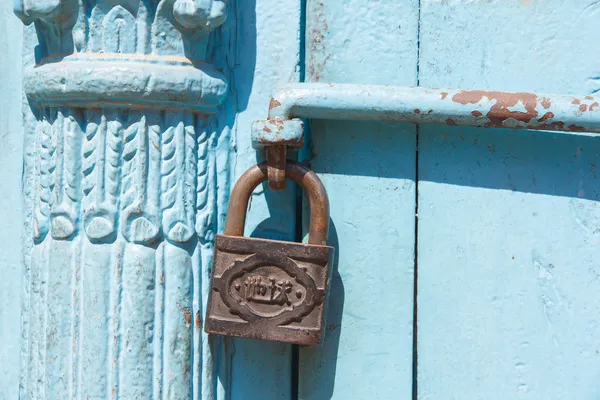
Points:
point(369, 172)
point(508, 299)
point(265, 43)
point(11, 201)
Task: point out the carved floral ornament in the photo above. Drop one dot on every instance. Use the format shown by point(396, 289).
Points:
point(124, 197)
point(124, 53)
point(191, 14)
point(122, 92)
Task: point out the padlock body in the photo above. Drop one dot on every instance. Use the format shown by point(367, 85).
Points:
point(269, 290)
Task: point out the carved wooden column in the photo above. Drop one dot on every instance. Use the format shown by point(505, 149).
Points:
point(125, 198)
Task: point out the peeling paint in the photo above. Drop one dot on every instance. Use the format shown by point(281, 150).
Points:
point(274, 132)
point(501, 110)
point(478, 108)
point(546, 117)
point(317, 57)
point(274, 103)
point(576, 128)
point(546, 102)
point(188, 316)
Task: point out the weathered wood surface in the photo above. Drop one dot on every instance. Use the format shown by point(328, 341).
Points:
point(267, 55)
point(508, 299)
point(369, 172)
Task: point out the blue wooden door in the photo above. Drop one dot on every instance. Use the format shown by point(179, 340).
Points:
point(507, 245)
point(491, 230)
point(369, 170)
point(465, 257)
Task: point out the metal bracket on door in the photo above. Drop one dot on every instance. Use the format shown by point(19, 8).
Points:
point(477, 108)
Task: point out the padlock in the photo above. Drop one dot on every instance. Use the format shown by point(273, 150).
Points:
point(271, 289)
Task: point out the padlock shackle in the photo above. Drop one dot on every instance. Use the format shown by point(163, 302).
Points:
point(307, 179)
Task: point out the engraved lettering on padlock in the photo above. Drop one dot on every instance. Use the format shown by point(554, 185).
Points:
point(268, 289)
point(272, 293)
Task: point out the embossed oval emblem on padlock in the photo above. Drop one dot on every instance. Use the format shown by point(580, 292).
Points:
point(270, 289)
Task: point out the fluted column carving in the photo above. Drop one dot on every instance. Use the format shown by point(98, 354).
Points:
point(124, 201)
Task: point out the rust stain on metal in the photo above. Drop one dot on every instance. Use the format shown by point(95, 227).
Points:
point(450, 122)
point(476, 113)
point(274, 104)
point(198, 320)
point(576, 128)
point(546, 103)
point(266, 129)
point(552, 126)
point(444, 94)
point(546, 117)
point(501, 110)
point(417, 111)
point(589, 98)
point(276, 165)
point(593, 105)
point(576, 102)
point(188, 316)
point(583, 107)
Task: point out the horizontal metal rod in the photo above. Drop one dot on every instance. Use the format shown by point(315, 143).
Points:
point(480, 108)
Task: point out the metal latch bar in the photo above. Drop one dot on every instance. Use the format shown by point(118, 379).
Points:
point(477, 108)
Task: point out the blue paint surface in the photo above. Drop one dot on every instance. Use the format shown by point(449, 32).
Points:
point(508, 299)
point(123, 196)
point(369, 172)
point(125, 181)
point(127, 176)
point(11, 201)
point(257, 369)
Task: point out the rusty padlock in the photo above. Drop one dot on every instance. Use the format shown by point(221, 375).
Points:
point(270, 289)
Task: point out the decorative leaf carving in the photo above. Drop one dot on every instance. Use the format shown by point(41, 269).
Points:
point(178, 176)
point(130, 149)
point(205, 209)
point(101, 172)
point(141, 155)
point(204, 14)
point(101, 163)
point(57, 18)
point(44, 171)
point(28, 11)
point(114, 147)
point(166, 38)
point(64, 213)
point(119, 31)
point(159, 27)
